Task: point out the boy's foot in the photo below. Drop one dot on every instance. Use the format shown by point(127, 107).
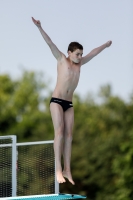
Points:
point(60, 178)
point(68, 175)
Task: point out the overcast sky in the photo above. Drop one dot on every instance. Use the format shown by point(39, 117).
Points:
point(90, 22)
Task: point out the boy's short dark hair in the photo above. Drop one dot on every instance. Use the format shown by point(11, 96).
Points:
point(74, 45)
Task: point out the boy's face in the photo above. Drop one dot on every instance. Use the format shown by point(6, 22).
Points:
point(76, 55)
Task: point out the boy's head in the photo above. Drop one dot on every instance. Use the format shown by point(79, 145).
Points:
point(75, 52)
point(73, 46)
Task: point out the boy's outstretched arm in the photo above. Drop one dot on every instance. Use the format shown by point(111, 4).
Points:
point(95, 52)
point(57, 54)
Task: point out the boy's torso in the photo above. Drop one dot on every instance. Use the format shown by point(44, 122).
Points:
point(68, 75)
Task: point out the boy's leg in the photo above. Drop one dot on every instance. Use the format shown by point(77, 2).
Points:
point(58, 123)
point(68, 128)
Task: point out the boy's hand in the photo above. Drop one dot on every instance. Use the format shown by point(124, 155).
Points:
point(108, 43)
point(36, 22)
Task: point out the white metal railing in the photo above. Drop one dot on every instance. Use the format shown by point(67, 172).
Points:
point(14, 160)
point(14, 146)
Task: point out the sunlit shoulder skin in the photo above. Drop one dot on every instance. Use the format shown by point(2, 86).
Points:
point(68, 73)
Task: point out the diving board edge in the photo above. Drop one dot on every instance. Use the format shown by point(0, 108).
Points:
point(59, 196)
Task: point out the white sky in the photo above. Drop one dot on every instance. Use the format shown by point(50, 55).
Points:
point(90, 22)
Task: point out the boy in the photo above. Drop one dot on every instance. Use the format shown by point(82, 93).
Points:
point(61, 107)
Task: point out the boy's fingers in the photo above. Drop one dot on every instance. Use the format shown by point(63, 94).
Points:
point(34, 20)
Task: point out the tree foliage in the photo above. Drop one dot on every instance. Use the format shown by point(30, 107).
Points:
point(102, 152)
point(20, 108)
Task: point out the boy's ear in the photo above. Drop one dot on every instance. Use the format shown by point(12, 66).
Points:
point(69, 52)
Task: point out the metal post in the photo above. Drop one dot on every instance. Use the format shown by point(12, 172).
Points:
point(56, 183)
point(14, 163)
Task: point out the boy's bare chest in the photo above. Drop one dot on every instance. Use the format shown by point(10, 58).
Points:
point(70, 71)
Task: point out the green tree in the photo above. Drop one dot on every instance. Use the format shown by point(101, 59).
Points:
point(101, 130)
point(102, 152)
point(21, 110)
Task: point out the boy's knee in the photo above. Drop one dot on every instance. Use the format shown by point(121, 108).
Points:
point(69, 136)
point(59, 133)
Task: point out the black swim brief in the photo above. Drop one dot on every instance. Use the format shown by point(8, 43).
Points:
point(64, 104)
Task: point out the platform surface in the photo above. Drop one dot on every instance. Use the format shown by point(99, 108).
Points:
point(46, 197)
